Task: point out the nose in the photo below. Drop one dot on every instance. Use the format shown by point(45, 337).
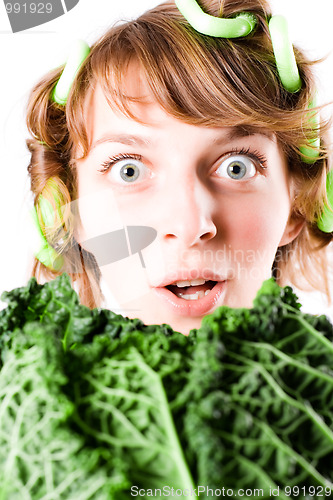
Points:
point(188, 217)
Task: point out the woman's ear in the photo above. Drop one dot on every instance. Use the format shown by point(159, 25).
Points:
point(294, 226)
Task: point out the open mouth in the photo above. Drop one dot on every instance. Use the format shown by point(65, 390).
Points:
point(193, 297)
point(193, 289)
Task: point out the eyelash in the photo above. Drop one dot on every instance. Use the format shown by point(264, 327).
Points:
point(255, 155)
point(108, 164)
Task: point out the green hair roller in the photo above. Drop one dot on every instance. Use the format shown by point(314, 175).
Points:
point(241, 25)
point(45, 253)
point(284, 54)
point(288, 72)
point(78, 54)
point(310, 153)
point(47, 218)
point(325, 222)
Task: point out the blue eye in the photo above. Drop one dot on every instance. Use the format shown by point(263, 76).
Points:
point(126, 170)
point(237, 167)
point(129, 171)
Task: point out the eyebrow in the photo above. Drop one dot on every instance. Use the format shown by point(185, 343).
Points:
point(241, 131)
point(236, 132)
point(128, 140)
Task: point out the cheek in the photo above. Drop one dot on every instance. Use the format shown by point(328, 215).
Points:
point(260, 223)
point(98, 214)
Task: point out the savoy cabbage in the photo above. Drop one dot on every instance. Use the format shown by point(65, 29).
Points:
point(92, 403)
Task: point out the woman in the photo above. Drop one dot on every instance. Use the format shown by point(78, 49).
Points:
point(196, 138)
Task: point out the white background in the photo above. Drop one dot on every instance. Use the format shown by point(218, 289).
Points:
point(26, 56)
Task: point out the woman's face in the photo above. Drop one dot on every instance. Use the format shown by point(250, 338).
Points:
point(219, 200)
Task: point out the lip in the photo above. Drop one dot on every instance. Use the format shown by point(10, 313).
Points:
point(190, 275)
point(199, 307)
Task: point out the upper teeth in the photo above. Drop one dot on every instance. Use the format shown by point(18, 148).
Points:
point(199, 281)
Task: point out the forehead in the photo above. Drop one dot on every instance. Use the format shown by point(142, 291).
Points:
point(104, 117)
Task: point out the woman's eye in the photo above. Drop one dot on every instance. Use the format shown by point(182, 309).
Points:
point(238, 167)
point(127, 171)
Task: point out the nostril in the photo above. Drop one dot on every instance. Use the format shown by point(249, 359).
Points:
point(207, 236)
